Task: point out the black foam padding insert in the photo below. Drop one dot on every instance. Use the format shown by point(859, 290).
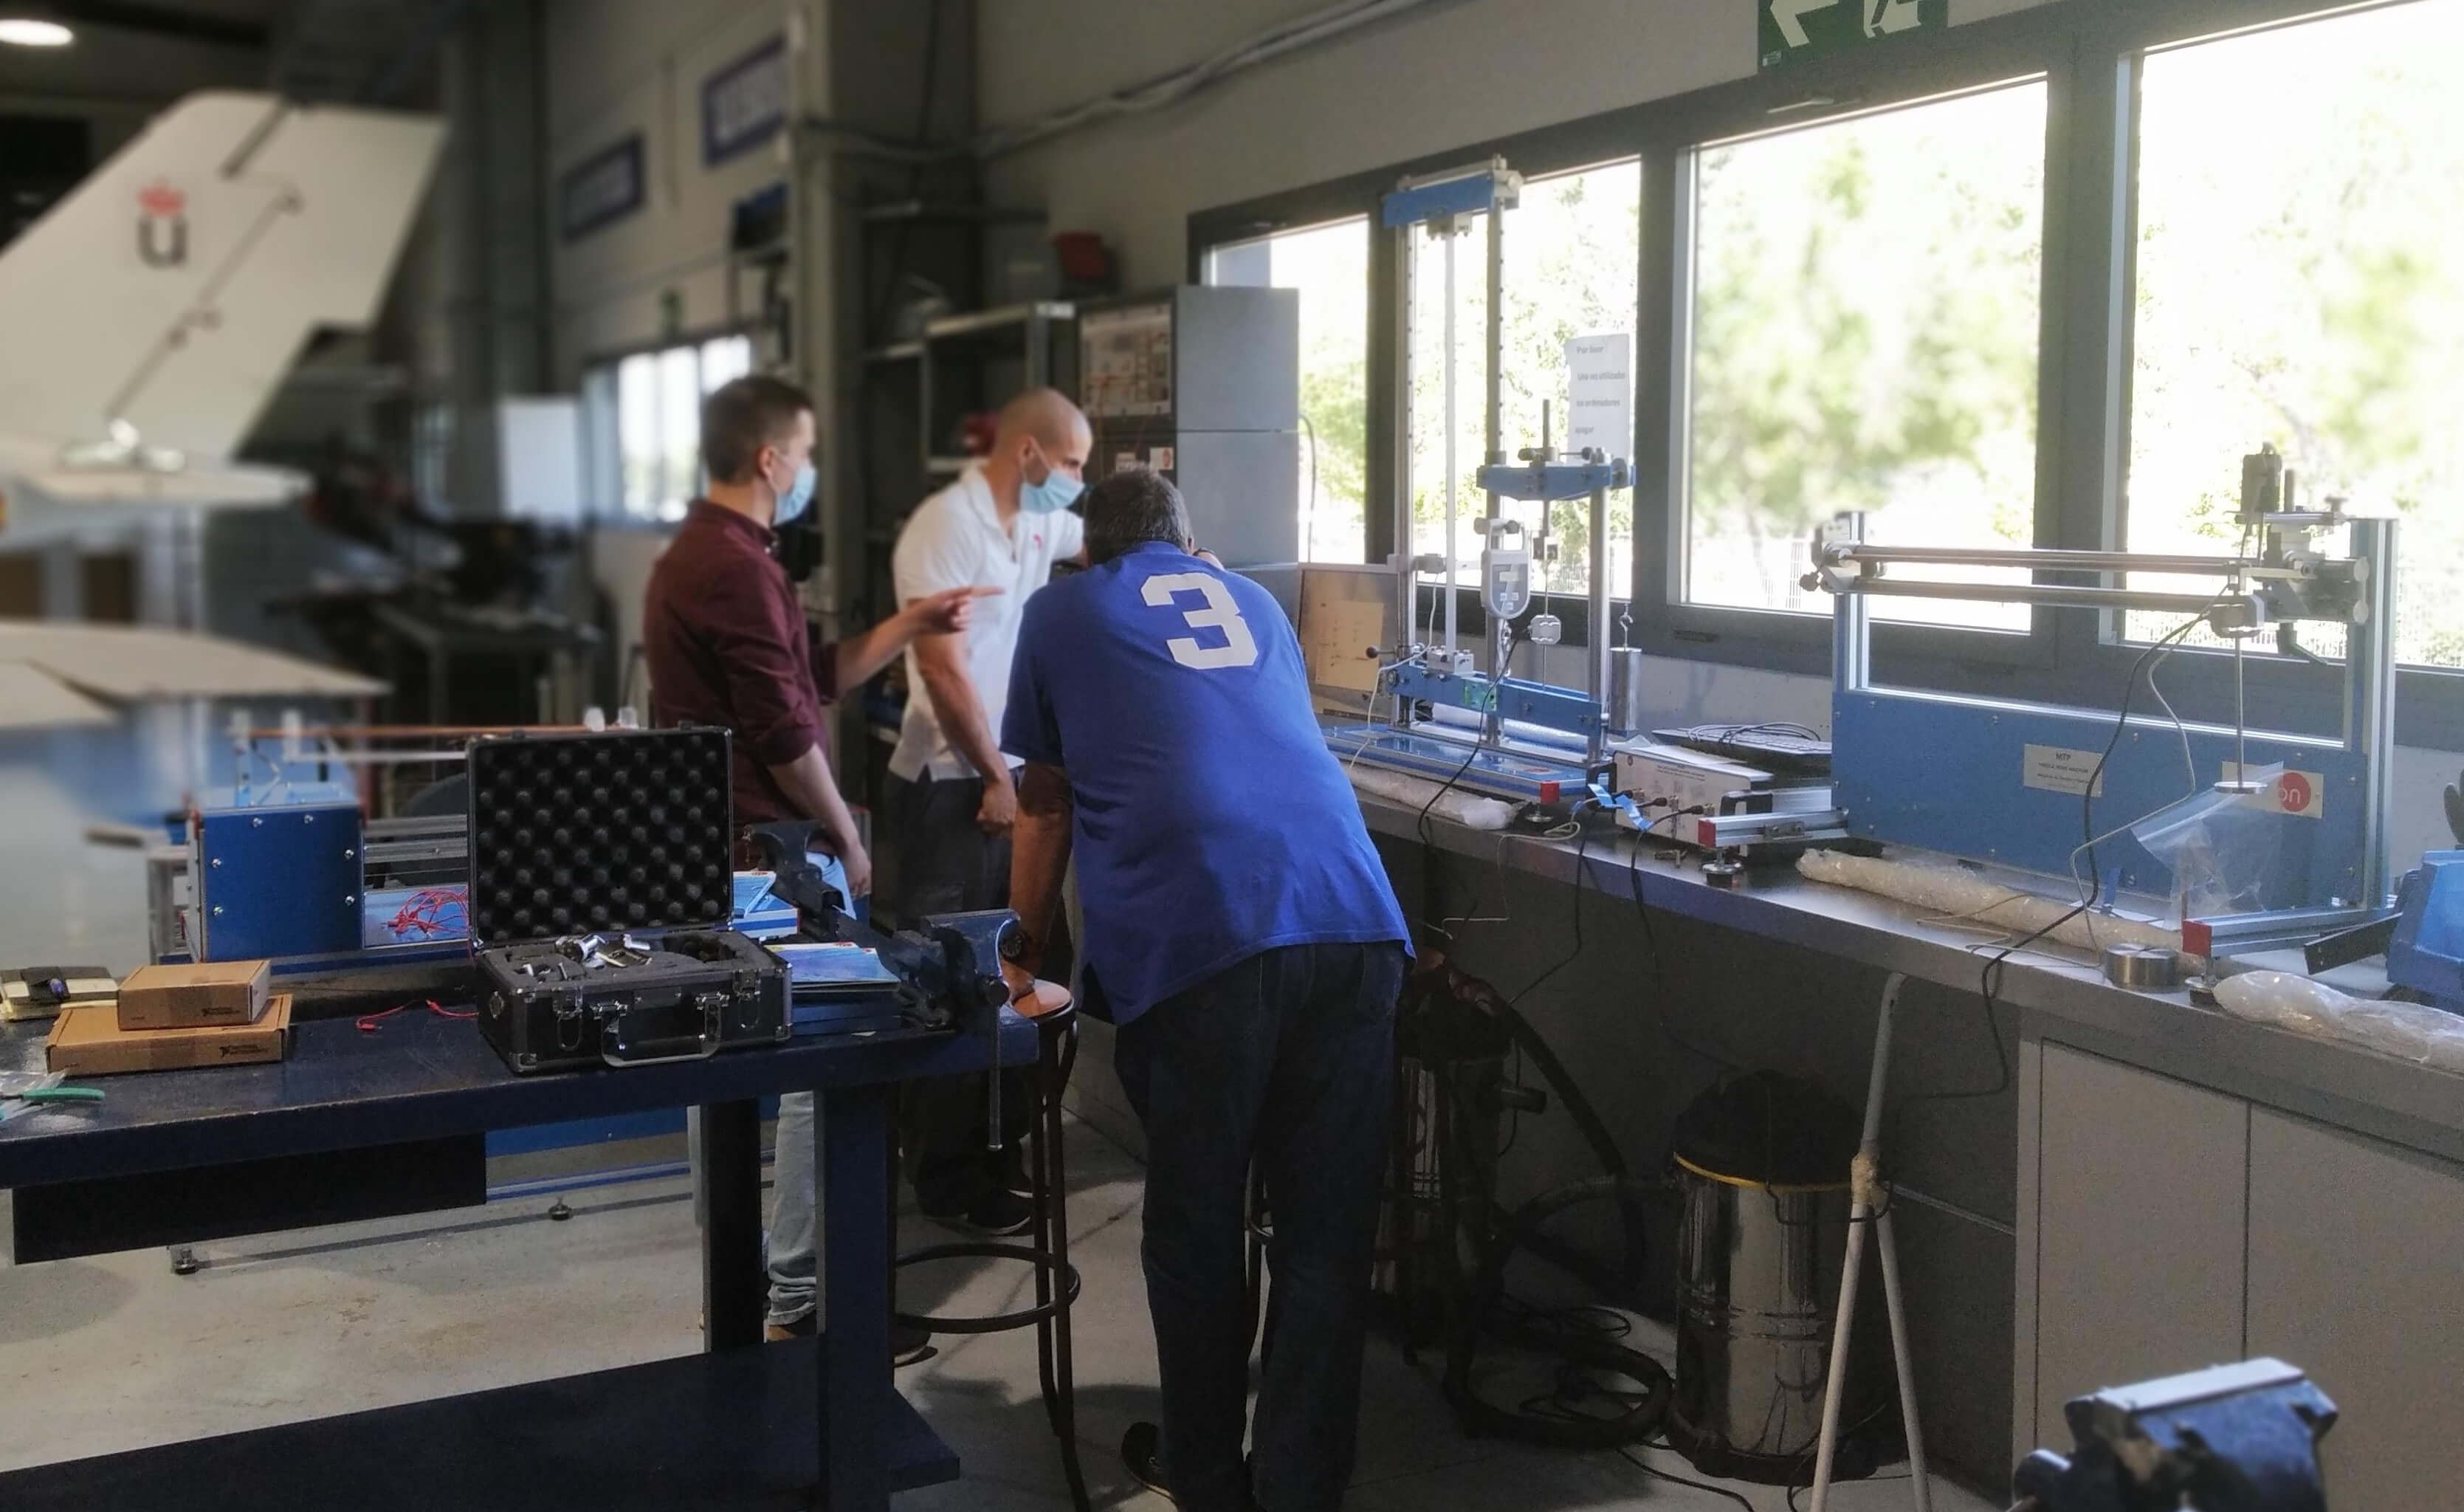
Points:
point(621, 829)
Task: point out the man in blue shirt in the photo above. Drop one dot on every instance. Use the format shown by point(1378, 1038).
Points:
point(1240, 931)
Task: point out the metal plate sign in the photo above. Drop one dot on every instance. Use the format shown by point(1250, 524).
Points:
point(1790, 31)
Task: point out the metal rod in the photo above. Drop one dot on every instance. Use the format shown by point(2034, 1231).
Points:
point(1887, 1247)
point(1493, 422)
point(1599, 631)
point(2048, 593)
point(1452, 483)
point(2241, 716)
point(2052, 560)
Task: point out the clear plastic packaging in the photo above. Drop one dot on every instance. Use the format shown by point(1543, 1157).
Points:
point(2425, 1036)
point(2220, 847)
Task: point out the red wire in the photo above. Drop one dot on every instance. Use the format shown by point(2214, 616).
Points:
point(425, 910)
point(367, 1023)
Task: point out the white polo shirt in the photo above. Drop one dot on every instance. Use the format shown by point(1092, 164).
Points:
point(954, 540)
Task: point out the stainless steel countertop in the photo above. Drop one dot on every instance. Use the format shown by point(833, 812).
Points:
point(2066, 1000)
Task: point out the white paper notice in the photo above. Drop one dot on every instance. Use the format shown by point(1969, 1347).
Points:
point(1600, 371)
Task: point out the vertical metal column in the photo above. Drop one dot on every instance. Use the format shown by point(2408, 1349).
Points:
point(733, 1283)
point(2369, 694)
point(1407, 580)
point(1851, 664)
point(1599, 631)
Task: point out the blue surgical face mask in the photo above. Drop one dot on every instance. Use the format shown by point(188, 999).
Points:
point(799, 496)
point(1057, 492)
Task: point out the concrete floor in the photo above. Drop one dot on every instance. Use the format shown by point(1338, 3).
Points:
point(117, 1352)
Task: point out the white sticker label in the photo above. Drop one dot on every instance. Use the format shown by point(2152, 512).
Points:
point(1599, 380)
point(2056, 768)
point(1159, 457)
point(2302, 795)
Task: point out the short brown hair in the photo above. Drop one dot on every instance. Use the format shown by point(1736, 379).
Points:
point(743, 416)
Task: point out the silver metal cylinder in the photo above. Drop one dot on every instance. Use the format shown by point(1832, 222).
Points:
point(1762, 1165)
point(1624, 702)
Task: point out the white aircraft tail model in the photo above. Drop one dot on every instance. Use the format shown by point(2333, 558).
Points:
point(146, 321)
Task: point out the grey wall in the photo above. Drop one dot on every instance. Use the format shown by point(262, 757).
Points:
point(619, 66)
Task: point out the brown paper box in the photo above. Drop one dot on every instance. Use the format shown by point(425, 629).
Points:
point(89, 1042)
point(188, 996)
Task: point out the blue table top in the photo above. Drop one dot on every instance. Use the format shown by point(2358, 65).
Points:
point(420, 1076)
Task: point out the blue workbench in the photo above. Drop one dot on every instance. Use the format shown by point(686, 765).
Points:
point(743, 1425)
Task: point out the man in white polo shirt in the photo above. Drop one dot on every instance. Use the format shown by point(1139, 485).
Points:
point(947, 812)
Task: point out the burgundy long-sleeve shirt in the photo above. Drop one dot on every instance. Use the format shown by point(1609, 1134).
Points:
point(728, 644)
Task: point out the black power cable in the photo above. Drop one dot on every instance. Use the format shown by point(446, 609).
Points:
point(1989, 980)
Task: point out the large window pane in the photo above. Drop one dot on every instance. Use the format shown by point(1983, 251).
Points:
point(1865, 298)
point(679, 431)
point(1329, 266)
point(637, 434)
point(1571, 248)
point(2300, 282)
point(1571, 270)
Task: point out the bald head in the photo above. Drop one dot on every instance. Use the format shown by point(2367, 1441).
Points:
point(1037, 435)
point(1044, 415)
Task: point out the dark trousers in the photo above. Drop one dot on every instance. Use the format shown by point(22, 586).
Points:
point(935, 859)
point(1286, 1059)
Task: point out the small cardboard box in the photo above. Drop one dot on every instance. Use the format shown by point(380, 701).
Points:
point(89, 1042)
point(209, 992)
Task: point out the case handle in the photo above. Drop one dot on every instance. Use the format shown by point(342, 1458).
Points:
point(613, 1049)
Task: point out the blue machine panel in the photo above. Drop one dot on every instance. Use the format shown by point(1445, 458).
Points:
point(278, 879)
point(1958, 776)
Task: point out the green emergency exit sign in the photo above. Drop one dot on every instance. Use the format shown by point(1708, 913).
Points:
point(1794, 30)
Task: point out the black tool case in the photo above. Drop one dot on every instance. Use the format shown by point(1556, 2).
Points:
point(601, 882)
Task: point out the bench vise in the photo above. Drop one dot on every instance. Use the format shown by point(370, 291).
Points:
point(2236, 1438)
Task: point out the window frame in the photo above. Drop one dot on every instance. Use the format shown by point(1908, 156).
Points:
point(2089, 54)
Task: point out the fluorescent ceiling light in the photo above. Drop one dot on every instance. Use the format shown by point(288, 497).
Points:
point(27, 32)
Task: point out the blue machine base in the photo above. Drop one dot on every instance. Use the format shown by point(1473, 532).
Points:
point(1957, 776)
point(1505, 775)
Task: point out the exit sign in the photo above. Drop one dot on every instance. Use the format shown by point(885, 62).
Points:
point(1792, 30)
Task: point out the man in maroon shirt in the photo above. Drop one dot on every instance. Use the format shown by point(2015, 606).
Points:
point(727, 640)
point(728, 644)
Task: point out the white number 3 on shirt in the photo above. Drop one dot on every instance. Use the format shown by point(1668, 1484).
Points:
point(1220, 614)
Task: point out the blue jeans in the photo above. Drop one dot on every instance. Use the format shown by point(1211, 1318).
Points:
point(1286, 1059)
point(793, 1224)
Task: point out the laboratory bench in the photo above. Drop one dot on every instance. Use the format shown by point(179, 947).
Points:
point(2190, 1187)
point(744, 1424)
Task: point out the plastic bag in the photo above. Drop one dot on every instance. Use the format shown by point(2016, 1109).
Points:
point(2219, 846)
point(2427, 1036)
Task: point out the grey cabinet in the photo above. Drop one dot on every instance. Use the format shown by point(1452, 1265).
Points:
point(2138, 1225)
point(2357, 1275)
point(2172, 1225)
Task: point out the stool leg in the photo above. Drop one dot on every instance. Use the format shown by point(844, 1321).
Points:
point(1052, 1202)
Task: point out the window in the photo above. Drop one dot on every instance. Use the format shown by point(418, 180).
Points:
point(1329, 266)
point(2300, 282)
point(1863, 337)
point(657, 430)
point(1571, 257)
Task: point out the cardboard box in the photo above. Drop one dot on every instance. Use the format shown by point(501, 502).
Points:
point(207, 993)
point(89, 1042)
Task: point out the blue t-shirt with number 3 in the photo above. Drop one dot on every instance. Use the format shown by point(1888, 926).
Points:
point(1211, 823)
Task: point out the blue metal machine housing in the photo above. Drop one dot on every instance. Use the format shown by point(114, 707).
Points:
point(2427, 953)
point(277, 880)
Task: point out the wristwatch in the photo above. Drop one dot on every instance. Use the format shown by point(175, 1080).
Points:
point(1017, 945)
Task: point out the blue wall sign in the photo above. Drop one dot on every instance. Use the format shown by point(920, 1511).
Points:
point(600, 188)
point(744, 104)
